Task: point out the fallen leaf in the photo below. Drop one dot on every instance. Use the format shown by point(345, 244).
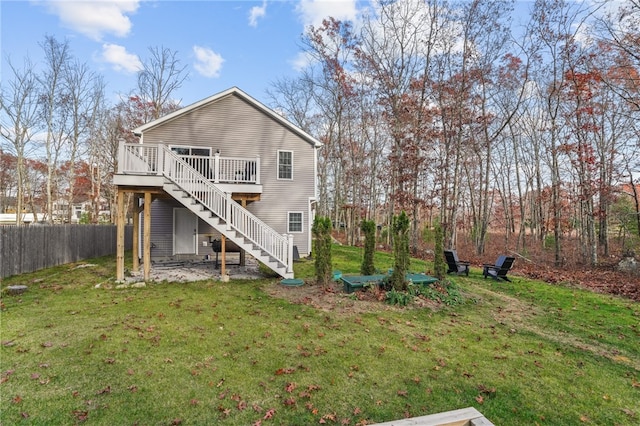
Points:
point(269, 414)
point(16, 399)
point(290, 387)
point(104, 391)
point(480, 399)
point(80, 415)
point(402, 393)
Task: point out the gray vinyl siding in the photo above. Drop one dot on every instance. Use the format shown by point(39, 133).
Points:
point(238, 129)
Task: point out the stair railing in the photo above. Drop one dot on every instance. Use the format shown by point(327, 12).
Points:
point(280, 247)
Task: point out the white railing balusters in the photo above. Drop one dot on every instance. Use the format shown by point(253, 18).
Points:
point(196, 175)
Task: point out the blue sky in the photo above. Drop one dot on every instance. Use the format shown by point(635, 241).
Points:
point(247, 44)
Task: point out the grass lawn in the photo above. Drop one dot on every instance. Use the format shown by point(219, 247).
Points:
point(208, 352)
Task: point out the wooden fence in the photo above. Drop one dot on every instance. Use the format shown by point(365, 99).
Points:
point(30, 248)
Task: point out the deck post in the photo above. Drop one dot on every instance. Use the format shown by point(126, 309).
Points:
point(120, 236)
point(243, 253)
point(136, 230)
point(290, 253)
point(223, 255)
point(227, 213)
point(147, 236)
point(257, 170)
point(216, 167)
point(122, 155)
point(160, 160)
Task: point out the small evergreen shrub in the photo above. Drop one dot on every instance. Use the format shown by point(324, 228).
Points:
point(369, 229)
point(322, 249)
point(400, 251)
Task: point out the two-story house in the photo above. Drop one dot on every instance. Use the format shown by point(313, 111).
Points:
point(226, 166)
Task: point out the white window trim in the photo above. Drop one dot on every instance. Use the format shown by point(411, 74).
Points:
point(278, 164)
point(289, 231)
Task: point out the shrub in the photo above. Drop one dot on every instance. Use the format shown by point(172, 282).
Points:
point(369, 229)
point(400, 251)
point(322, 249)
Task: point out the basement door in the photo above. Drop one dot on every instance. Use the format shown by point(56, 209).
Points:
point(185, 231)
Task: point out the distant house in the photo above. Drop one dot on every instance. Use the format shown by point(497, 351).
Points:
point(27, 218)
point(224, 166)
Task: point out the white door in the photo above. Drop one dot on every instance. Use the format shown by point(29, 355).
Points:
point(185, 231)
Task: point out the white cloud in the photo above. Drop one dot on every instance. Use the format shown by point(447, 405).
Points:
point(301, 61)
point(208, 63)
point(95, 18)
point(120, 59)
point(257, 12)
point(312, 12)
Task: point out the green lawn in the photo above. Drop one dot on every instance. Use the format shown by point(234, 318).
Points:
point(522, 353)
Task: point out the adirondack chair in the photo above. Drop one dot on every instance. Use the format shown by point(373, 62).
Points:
point(455, 265)
point(498, 271)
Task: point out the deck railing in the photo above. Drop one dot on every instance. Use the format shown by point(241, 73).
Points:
point(148, 160)
point(185, 171)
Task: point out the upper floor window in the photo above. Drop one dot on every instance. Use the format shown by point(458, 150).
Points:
point(196, 151)
point(285, 165)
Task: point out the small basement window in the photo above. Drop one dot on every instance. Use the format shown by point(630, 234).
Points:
point(294, 223)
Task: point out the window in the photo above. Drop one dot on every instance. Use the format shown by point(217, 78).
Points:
point(197, 157)
point(285, 165)
point(295, 222)
point(191, 151)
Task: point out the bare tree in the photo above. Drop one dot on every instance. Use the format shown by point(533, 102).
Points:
point(19, 106)
point(84, 100)
point(52, 98)
point(159, 80)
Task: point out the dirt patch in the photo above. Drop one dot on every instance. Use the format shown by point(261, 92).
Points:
point(333, 298)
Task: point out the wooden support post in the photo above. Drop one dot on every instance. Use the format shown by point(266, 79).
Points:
point(120, 236)
point(147, 236)
point(223, 257)
point(243, 253)
point(136, 231)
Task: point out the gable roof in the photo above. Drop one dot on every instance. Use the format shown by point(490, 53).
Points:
point(239, 93)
